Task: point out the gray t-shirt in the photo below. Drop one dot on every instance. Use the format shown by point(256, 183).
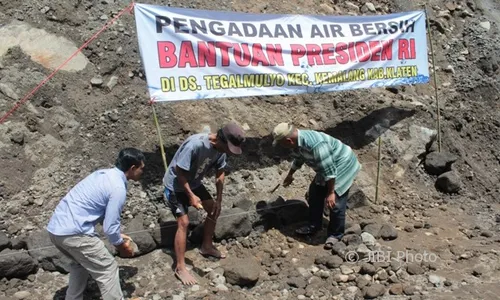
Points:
point(197, 156)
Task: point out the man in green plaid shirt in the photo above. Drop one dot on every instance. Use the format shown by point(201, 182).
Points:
point(336, 167)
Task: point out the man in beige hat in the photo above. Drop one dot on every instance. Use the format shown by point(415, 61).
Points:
point(336, 167)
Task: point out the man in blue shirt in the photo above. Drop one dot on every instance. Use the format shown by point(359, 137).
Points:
point(99, 197)
point(183, 187)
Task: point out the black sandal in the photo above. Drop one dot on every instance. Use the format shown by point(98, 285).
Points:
point(307, 230)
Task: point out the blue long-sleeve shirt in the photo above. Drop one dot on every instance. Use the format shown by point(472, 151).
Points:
point(99, 196)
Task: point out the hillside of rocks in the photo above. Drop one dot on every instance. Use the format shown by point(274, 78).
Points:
point(435, 225)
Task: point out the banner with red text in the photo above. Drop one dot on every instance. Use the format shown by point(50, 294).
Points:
point(198, 54)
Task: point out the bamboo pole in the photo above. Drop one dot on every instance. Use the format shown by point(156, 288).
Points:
point(164, 158)
point(378, 168)
point(435, 80)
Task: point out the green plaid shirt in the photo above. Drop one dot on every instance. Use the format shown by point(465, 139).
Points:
point(328, 157)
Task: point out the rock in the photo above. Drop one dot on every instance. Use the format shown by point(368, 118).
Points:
point(339, 249)
point(232, 223)
point(373, 291)
point(22, 295)
point(17, 137)
point(346, 270)
point(367, 268)
point(241, 272)
point(295, 211)
point(409, 228)
point(8, 90)
point(113, 81)
point(373, 229)
point(323, 274)
point(49, 258)
point(244, 204)
point(361, 282)
point(387, 232)
point(486, 25)
point(487, 234)
point(414, 269)
point(488, 65)
point(222, 288)
point(409, 290)
point(178, 297)
point(478, 270)
point(274, 270)
point(451, 6)
point(195, 218)
point(368, 7)
point(396, 265)
point(363, 252)
point(396, 289)
point(297, 282)
point(96, 81)
point(382, 275)
point(435, 280)
point(164, 235)
point(448, 182)
point(330, 261)
point(355, 229)
point(341, 278)
point(4, 241)
point(437, 163)
point(19, 243)
point(141, 236)
point(329, 10)
point(419, 225)
point(351, 6)
point(368, 239)
point(352, 240)
point(16, 264)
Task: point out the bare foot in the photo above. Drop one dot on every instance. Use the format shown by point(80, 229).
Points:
point(212, 251)
point(185, 277)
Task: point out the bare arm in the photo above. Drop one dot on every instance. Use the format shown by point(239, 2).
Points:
point(219, 184)
point(194, 200)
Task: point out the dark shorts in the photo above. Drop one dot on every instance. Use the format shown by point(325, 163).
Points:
point(178, 202)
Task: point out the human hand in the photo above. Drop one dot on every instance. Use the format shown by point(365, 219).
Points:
point(330, 200)
point(195, 202)
point(125, 249)
point(288, 180)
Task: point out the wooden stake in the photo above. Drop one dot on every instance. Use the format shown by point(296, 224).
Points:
point(435, 80)
point(159, 137)
point(378, 168)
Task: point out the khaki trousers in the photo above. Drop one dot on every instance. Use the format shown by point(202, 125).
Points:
point(89, 257)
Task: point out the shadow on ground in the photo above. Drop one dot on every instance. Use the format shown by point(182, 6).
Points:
point(259, 153)
point(92, 291)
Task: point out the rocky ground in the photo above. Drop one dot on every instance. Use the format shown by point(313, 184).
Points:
point(435, 227)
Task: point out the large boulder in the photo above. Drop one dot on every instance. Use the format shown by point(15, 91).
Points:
point(164, 234)
point(140, 236)
point(40, 247)
point(448, 182)
point(437, 163)
point(232, 223)
point(242, 272)
point(290, 211)
point(195, 217)
point(16, 264)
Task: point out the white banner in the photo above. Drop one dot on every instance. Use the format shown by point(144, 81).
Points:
point(197, 54)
